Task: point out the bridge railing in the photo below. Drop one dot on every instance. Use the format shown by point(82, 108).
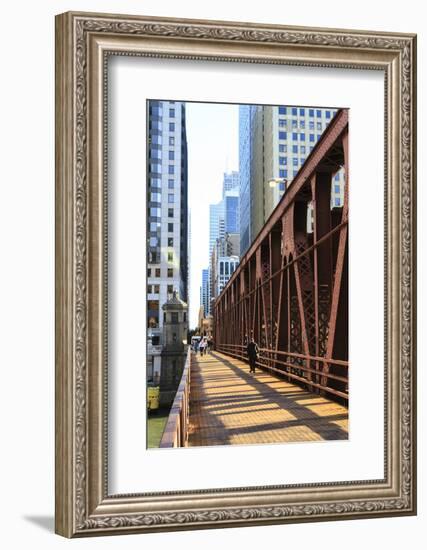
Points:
point(294, 366)
point(176, 429)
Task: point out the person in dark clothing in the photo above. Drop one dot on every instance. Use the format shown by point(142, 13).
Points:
point(252, 351)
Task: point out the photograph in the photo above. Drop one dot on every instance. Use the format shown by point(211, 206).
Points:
point(247, 273)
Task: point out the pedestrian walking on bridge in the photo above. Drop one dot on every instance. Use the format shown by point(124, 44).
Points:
point(252, 351)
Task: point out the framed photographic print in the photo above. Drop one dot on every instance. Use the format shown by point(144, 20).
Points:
point(235, 274)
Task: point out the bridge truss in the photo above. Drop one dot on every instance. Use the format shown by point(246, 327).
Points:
point(290, 291)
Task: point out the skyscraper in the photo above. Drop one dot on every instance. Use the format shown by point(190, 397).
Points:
point(247, 115)
point(167, 209)
point(231, 211)
point(224, 219)
point(274, 142)
point(216, 223)
point(230, 182)
point(204, 291)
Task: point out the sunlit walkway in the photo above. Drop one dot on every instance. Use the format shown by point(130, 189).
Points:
point(230, 406)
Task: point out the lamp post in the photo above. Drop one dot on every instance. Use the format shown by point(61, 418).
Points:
point(274, 181)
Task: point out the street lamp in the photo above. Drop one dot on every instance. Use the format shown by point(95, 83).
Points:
point(274, 181)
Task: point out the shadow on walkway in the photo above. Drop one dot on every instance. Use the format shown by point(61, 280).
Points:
point(228, 405)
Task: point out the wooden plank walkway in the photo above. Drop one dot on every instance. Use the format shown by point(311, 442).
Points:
point(230, 406)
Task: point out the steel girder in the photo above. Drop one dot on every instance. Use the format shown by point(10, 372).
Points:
point(290, 291)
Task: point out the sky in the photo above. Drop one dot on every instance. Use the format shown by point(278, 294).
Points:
point(213, 148)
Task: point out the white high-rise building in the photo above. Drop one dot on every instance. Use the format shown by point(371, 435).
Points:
point(223, 268)
point(167, 214)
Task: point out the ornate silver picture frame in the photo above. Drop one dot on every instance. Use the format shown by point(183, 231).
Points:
point(84, 43)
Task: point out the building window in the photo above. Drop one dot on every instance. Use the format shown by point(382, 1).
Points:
point(149, 272)
point(171, 184)
point(170, 197)
point(226, 268)
point(302, 124)
point(283, 173)
point(170, 289)
point(156, 289)
point(337, 188)
point(294, 123)
point(328, 114)
point(302, 112)
point(295, 172)
point(294, 136)
point(172, 113)
point(337, 177)
point(171, 140)
point(170, 227)
point(283, 148)
point(156, 154)
point(157, 272)
point(282, 186)
point(283, 160)
point(302, 136)
point(175, 321)
point(294, 111)
point(170, 212)
point(295, 149)
point(185, 317)
point(282, 122)
point(311, 112)
point(221, 268)
point(153, 305)
point(171, 169)
point(170, 241)
point(311, 137)
point(311, 125)
point(318, 113)
point(171, 126)
point(282, 110)
point(337, 201)
point(282, 135)
point(170, 256)
point(295, 161)
point(170, 272)
point(171, 155)
point(302, 148)
point(155, 182)
point(153, 321)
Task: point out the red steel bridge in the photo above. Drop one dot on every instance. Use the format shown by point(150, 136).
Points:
point(290, 291)
point(290, 294)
